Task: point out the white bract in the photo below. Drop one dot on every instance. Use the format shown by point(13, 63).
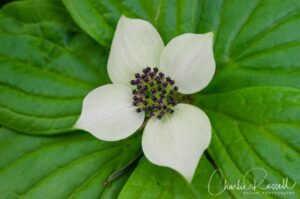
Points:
point(147, 77)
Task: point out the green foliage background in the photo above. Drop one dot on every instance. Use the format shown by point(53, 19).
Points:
point(52, 53)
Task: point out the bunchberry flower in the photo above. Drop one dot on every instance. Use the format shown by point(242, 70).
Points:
point(147, 79)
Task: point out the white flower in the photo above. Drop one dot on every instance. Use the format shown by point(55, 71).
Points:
point(147, 77)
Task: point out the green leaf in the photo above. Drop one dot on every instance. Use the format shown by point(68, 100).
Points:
point(150, 181)
point(99, 18)
point(256, 43)
point(64, 166)
point(47, 66)
point(253, 100)
point(256, 128)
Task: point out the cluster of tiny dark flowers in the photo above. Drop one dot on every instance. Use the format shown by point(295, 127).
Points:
point(153, 93)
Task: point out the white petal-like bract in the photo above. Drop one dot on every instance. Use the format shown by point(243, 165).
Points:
point(108, 114)
point(189, 60)
point(136, 45)
point(178, 140)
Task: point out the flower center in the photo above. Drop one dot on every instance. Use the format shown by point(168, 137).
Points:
point(154, 93)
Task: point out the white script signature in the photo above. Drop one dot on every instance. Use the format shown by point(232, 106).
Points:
point(246, 184)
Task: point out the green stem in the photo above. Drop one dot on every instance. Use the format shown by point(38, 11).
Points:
point(127, 167)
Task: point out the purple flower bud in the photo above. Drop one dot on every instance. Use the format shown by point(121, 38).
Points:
point(161, 75)
point(138, 81)
point(151, 83)
point(162, 96)
point(161, 114)
point(155, 70)
point(132, 82)
point(153, 91)
point(145, 88)
point(137, 75)
point(146, 79)
point(151, 74)
point(135, 98)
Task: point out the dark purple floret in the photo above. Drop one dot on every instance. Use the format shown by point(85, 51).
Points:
point(154, 98)
point(161, 114)
point(145, 88)
point(161, 75)
point(153, 91)
point(151, 83)
point(138, 81)
point(158, 80)
point(132, 82)
point(171, 111)
point(135, 98)
point(151, 74)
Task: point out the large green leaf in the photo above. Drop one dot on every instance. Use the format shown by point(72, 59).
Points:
point(64, 166)
point(256, 42)
point(99, 18)
point(150, 181)
point(47, 66)
point(256, 128)
point(258, 48)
